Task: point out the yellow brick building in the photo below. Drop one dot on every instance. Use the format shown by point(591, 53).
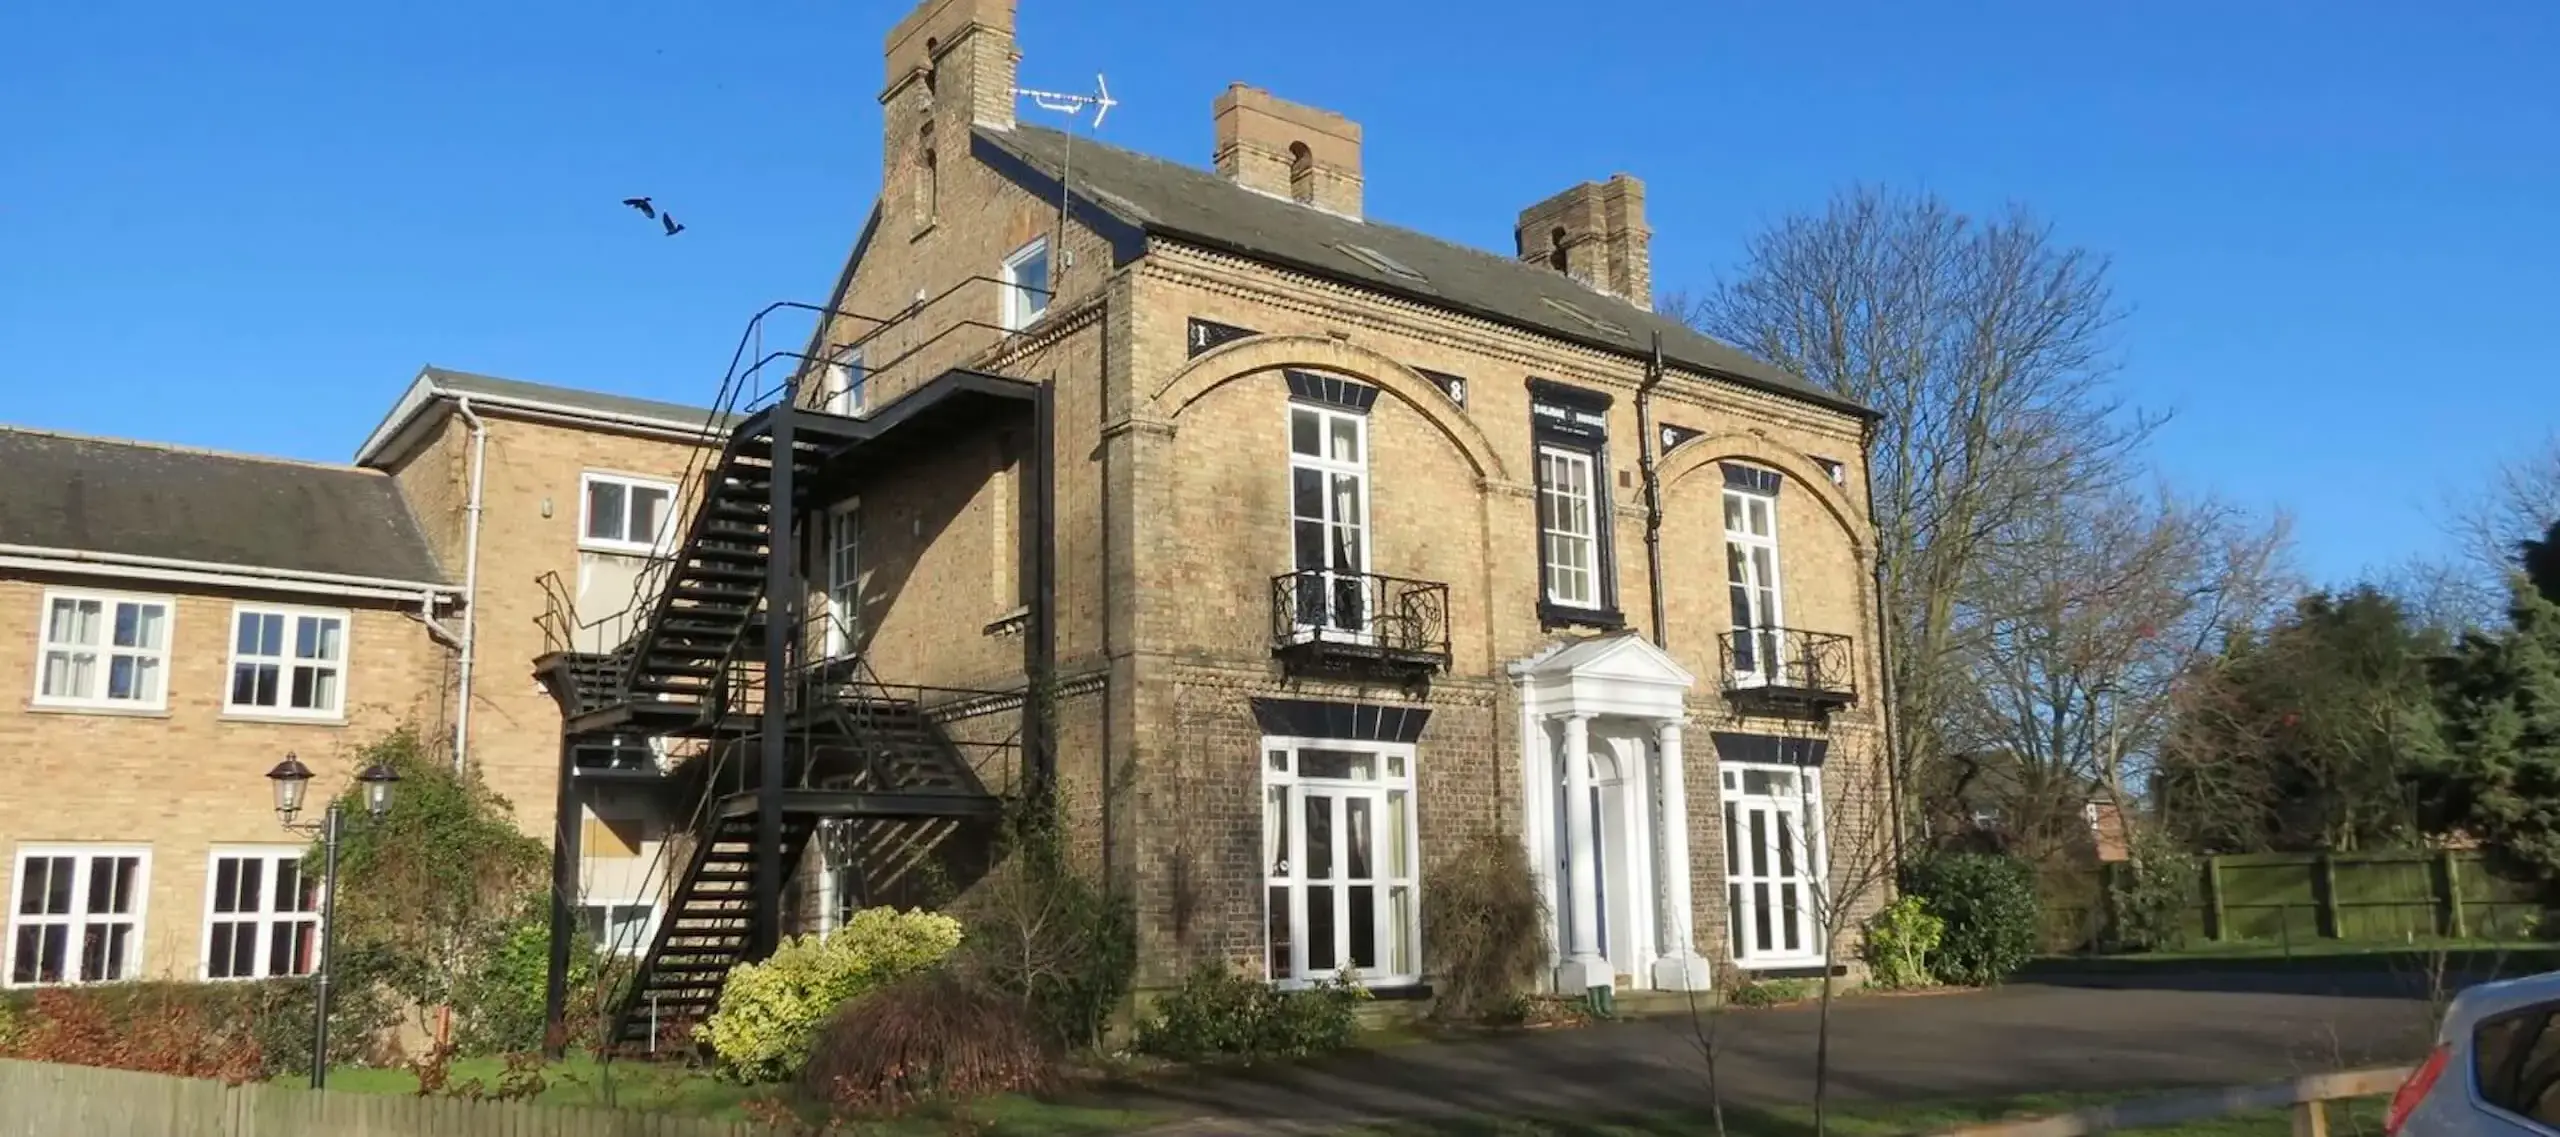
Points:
point(1292, 551)
point(180, 620)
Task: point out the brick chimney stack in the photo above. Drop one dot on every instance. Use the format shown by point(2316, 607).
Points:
point(954, 61)
point(1288, 150)
point(1594, 233)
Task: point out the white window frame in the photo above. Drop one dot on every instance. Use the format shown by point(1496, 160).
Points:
point(648, 927)
point(843, 552)
point(1328, 468)
point(1392, 786)
point(657, 545)
point(264, 918)
point(78, 922)
point(1771, 666)
point(847, 385)
point(287, 662)
point(1021, 307)
point(105, 651)
point(1589, 464)
point(1813, 867)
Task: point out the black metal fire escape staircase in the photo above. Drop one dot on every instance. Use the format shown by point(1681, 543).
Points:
point(694, 667)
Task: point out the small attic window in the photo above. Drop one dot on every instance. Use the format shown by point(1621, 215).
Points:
point(1380, 261)
point(1302, 174)
point(1556, 256)
point(1595, 323)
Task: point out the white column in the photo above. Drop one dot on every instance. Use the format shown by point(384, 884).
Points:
point(1680, 968)
point(1583, 968)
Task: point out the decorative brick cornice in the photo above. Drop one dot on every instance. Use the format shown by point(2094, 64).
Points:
point(1055, 329)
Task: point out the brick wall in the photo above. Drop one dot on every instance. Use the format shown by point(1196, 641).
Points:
point(528, 526)
point(182, 780)
point(1451, 499)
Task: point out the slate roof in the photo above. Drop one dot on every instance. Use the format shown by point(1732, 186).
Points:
point(113, 496)
point(427, 398)
point(1198, 206)
point(471, 383)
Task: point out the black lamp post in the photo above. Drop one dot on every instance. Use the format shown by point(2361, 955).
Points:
point(290, 779)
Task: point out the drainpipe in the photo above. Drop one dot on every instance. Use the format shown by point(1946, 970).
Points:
point(1884, 650)
point(1645, 447)
point(470, 584)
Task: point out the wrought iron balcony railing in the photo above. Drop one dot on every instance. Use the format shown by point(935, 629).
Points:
point(1326, 620)
point(1782, 667)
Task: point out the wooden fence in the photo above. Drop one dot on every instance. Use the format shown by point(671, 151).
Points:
point(42, 1098)
point(2307, 1097)
point(2301, 898)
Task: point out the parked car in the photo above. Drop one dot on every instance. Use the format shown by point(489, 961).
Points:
point(2495, 1069)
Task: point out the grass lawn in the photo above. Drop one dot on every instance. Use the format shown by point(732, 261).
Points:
point(648, 1088)
point(1867, 1119)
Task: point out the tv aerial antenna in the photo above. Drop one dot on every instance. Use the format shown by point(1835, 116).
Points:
point(1073, 105)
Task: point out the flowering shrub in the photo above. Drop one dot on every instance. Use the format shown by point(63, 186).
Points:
point(770, 1012)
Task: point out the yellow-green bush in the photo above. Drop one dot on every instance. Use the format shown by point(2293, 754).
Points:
point(770, 1012)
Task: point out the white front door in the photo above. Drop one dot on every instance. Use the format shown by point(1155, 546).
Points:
point(1622, 849)
point(1773, 864)
point(1601, 861)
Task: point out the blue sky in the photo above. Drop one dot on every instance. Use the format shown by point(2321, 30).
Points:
point(245, 225)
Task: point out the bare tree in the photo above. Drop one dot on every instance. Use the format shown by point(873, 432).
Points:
point(2520, 504)
point(2447, 595)
point(2103, 603)
point(1985, 345)
point(1856, 845)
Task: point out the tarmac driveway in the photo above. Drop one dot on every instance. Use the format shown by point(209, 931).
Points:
point(2019, 1039)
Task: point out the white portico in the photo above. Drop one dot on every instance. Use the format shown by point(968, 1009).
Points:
point(1601, 726)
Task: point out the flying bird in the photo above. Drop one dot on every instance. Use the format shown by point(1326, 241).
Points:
point(641, 204)
point(670, 222)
